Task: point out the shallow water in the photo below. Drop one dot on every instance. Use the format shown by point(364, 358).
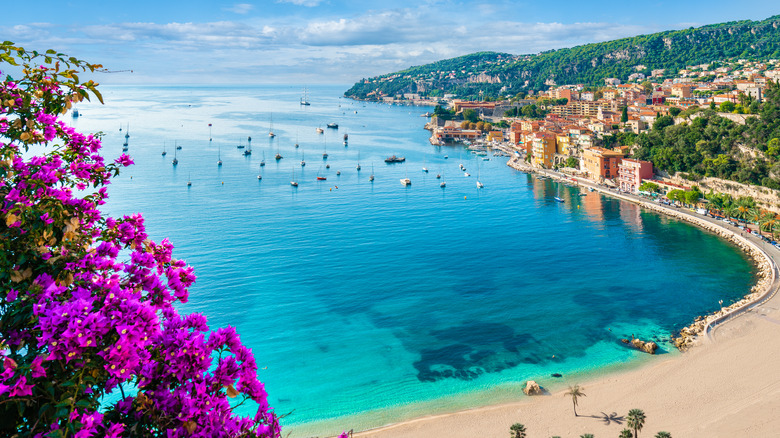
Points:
point(371, 302)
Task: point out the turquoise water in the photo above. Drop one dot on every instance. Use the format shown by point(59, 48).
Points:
point(373, 302)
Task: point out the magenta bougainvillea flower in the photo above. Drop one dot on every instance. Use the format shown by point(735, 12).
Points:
point(87, 302)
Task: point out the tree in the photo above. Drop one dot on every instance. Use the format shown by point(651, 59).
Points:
point(662, 122)
point(692, 197)
point(674, 111)
point(649, 187)
point(626, 433)
point(727, 107)
point(575, 392)
point(517, 430)
point(663, 435)
point(573, 162)
point(635, 420)
point(470, 115)
point(89, 302)
point(624, 115)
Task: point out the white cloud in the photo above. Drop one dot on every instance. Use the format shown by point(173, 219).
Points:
point(240, 8)
point(339, 49)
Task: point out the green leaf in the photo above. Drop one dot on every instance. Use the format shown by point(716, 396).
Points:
point(98, 95)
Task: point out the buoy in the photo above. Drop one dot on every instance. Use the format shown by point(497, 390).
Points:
point(464, 197)
point(223, 183)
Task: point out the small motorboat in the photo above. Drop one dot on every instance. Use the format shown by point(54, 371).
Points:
point(406, 181)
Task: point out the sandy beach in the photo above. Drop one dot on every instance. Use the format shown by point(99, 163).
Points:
point(726, 385)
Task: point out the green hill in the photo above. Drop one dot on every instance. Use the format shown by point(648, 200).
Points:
point(589, 64)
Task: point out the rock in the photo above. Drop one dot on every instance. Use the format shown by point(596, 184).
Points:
point(556, 375)
point(647, 347)
point(625, 341)
point(532, 388)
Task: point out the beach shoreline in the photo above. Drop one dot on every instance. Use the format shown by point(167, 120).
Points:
point(707, 379)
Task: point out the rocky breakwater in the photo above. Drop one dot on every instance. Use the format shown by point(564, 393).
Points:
point(518, 163)
point(689, 335)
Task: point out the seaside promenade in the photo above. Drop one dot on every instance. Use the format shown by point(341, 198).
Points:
point(726, 385)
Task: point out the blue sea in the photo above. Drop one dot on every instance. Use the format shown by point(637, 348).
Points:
point(368, 303)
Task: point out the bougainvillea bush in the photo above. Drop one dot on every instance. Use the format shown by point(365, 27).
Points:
point(87, 301)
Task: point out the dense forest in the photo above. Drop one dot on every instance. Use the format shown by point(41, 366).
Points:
point(590, 64)
point(706, 144)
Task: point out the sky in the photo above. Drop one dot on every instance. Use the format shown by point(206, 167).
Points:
point(330, 41)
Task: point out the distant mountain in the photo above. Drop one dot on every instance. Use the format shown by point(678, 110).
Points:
point(589, 64)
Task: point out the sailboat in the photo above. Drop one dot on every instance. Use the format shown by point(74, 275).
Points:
point(371, 178)
point(293, 182)
point(319, 177)
point(127, 133)
point(189, 180)
point(175, 160)
point(304, 99)
point(219, 154)
point(296, 141)
point(325, 151)
point(405, 180)
point(358, 165)
point(260, 176)
point(278, 156)
point(164, 152)
point(303, 160)
point(262, 162)
point(271, 128)
point(248, 150)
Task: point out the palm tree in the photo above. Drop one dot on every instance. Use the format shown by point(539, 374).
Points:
point(754, 214)
point(768, 221)
point(635, 420)
point(517, 430)
point(730, 211)
point(575, 393)
point(776, 229)
point(663, 435)
point(626, 433)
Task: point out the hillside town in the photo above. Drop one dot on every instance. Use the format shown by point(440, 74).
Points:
point(568, 131)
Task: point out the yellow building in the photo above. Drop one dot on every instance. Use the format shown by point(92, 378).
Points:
point(543, 149)
point(562, 144)
point(495, 136)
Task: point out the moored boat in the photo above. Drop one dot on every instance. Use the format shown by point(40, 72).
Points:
point(394, 159)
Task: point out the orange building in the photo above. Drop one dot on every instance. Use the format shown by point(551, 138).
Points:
point(601, 163)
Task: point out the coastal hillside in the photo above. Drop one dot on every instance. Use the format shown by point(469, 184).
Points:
point(500, 73)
